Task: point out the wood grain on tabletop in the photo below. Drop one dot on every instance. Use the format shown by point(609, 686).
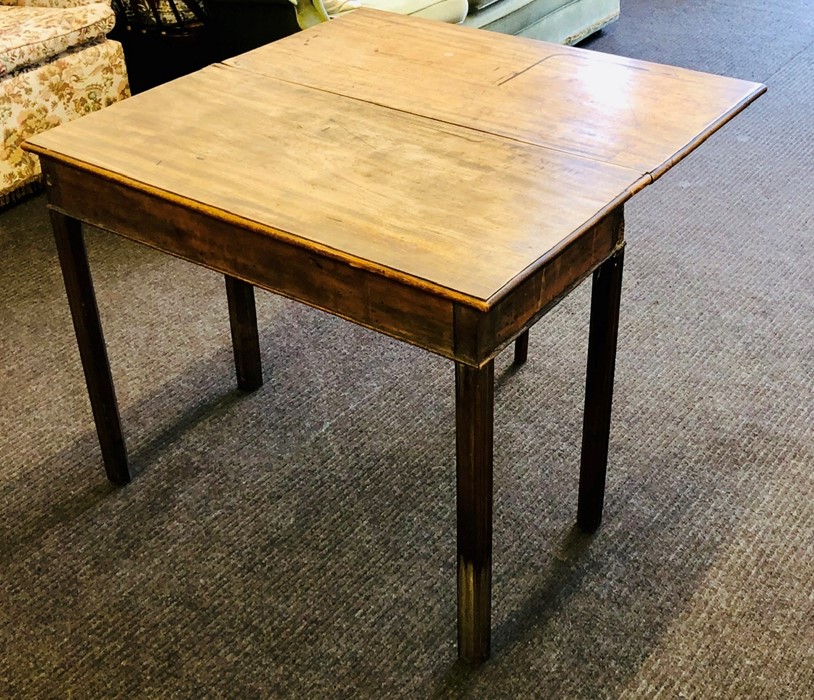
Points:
point(464, 211)
point(617, 110)
point(458, 159)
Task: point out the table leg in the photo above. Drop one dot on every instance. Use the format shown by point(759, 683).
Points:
point(605, 298)
point(245, 339)
point(521, 348)
point(81, 298)
point(474, 411)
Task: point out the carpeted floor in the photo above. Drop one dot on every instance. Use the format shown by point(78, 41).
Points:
point(299, 541)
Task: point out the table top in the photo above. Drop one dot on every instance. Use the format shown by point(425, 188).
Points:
point(450, 158)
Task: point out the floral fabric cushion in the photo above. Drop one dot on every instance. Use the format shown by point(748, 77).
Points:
point(33, 100)
point(31, 35)
point(51, 3)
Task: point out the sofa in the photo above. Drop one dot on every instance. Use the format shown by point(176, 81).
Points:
point(451, 11)
point(56, 64)
point(559, 21)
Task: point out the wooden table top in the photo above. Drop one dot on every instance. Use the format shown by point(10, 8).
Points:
point(450, 158)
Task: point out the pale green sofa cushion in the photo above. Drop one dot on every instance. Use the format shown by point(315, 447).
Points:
point(451, 11)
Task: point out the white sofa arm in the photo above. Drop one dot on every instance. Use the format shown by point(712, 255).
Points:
point(311, 12)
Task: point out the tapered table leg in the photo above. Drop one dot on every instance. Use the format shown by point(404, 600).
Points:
point(521, 348)
point(82, 300)
point(605, 298)
point(245, 339)
point(474, 412)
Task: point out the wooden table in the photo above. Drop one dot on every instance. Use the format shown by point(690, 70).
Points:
point(442, 185)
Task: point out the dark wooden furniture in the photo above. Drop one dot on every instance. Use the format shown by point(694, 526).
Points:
point(446, 187)
point(164, 39)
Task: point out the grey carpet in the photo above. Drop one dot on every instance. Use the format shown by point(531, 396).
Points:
point(299, 541)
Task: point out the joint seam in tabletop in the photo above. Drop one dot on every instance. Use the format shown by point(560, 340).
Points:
point(655, 171)
point(646, 178)
point(419, 115)
point(528, 68)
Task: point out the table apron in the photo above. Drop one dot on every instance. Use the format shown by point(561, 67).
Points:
point(413, 314)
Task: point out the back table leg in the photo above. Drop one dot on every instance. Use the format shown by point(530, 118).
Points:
point(474, 415)
point(81, 298)
point(521, 348)
point(605, 297)
point(245, 340)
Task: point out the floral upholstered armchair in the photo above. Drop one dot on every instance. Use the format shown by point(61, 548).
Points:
point(56, 64)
